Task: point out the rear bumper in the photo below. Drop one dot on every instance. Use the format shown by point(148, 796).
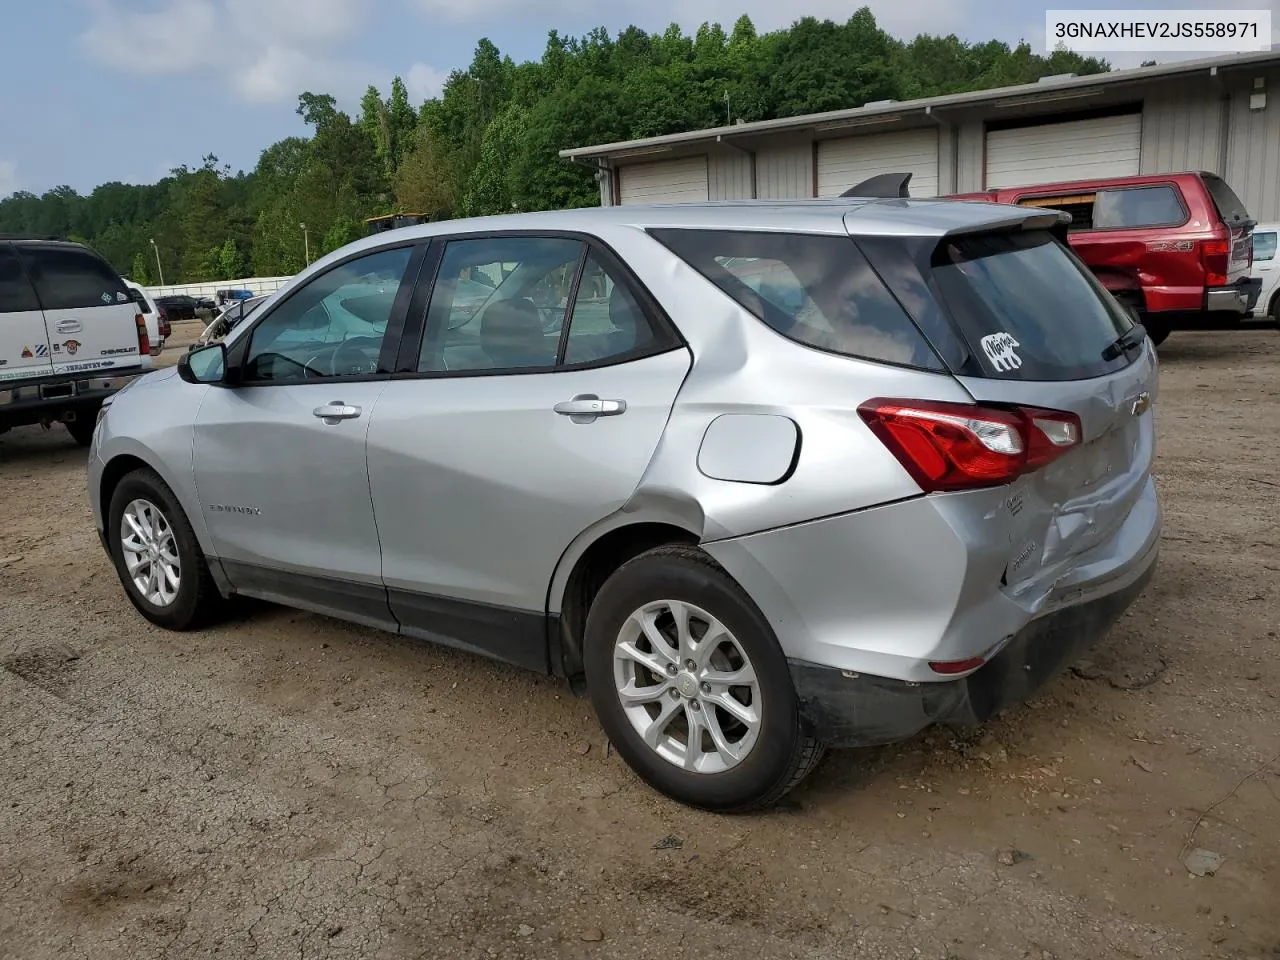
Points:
point(848, 709)
point(1239, 298)
point(54, 397)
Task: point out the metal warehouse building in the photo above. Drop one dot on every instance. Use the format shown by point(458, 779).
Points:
point(1220, 115)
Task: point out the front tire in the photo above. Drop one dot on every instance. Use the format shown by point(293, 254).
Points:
point(691, 686)
point(82, 427)
point(157, 556)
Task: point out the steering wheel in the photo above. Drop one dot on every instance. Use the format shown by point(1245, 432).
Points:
point(349, 359)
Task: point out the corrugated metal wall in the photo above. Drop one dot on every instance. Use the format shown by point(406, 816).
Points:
point(729, 176)
point(1253, 152)
point(785, 172)
point(971, 152)
point(1182, 130)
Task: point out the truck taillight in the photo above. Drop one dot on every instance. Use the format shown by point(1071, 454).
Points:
point(144, 340)
point(1215, 256)
point(957, 446)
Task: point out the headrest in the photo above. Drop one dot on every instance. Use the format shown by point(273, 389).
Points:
point(511, 335)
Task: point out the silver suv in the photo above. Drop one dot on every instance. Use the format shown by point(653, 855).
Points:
point(762, 477)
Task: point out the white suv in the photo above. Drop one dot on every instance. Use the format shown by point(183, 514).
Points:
point(71, 335)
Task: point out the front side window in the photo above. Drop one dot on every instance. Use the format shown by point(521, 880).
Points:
point(1264, 246)
point(817, 290)
point(72, 278)
point(15, 292)
point(333, 326)
point(1157, 206)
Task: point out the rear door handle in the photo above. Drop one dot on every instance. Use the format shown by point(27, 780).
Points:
point(586, 407)
point(336, 411)
point(68, 326)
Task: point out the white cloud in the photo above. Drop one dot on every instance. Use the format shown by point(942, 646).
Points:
point(8, 177)
point(424, 82)
point(267, 51)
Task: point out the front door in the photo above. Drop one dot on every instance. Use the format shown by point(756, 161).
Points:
point(280, 458)
point(24, 348)
point(533, 416)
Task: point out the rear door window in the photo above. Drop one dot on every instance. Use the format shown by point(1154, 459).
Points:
point(1028, 309)
point(816, 290)
point(16, 293)
point(1230, 208)
point(72, 278)
point(1155, 206)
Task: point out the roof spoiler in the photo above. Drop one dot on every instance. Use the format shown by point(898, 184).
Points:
point(885, 186)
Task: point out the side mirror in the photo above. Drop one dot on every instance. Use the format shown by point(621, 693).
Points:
point(207, 364)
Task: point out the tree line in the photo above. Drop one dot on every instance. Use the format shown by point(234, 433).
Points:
point(488, 143)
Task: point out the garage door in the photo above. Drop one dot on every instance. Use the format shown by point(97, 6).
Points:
point(669, 181)
point(847, 162)
point(1078, 150)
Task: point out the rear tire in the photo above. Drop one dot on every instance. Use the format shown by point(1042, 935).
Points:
point(733, 758)
point(1157, 329)
point(154, 547)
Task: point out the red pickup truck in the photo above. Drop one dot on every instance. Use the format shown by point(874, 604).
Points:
point(1175, 248)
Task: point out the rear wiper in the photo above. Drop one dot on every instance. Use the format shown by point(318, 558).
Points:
point(1132, 337)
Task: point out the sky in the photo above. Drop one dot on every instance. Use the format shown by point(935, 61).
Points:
point(98, 90)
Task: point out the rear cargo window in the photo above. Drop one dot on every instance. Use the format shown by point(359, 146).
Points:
point(1027, 307)
point(15, 292)
point(816, 290)
point(1224, 198)
point(1158, 206)
point(72, 278)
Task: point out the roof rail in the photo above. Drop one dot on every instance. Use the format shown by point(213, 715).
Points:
point(27, 236)
point(882, 187)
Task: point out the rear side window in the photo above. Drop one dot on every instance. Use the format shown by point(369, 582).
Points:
point(71, 278)
point(1158, 206)
point(1027, 308)
point(15, 292)
point(1224, 198)
point(816, 290)
point(140, 300)
point(1264, 246)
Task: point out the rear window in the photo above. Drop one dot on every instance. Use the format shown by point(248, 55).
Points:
point(1264, 246)
point(140, 300)
point(15, 292)
point(1224, 198)
point(816, 290)
point(71, 278)
point(1159, 206)
point(1027, 308)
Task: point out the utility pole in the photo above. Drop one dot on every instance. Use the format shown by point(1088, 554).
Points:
point(728, 117)
point(159, 269)
point(306, 243)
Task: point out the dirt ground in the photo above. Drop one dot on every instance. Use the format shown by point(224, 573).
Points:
point(291, 786)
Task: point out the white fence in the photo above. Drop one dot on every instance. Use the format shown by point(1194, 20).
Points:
point(256, 284)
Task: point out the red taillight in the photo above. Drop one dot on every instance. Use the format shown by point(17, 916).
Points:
point(958, 446)
point(952, 667)
point(165, 328)
point(144, 340)
point(1215, 256)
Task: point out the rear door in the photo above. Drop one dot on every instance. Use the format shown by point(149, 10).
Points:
point(89, 313)
point(1265, 266)
point(24, 348)
point(1039, 332)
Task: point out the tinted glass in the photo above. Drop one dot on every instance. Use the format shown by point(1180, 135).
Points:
point(333, 326)
point(140, 300)
point(1224, 198)
point(15, 292)
point(1138, 207)
point(1029, 310)
point(817, 290)
point(71, 278)
point(607, 319)
point(499, 304)
point(1264, 246)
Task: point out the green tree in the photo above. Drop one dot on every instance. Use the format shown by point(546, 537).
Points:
point(424, 183)
point(140, 272)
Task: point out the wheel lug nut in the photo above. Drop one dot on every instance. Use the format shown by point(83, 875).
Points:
point(695, 704)
point(706, 687)
point(675, 694)
point(690, 666)
point(671, 669)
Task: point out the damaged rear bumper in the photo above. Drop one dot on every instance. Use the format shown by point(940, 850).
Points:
point(848, 709)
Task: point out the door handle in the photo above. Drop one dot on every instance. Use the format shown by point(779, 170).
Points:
point(336, 411)
point(587, 406)
point(68, 326)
